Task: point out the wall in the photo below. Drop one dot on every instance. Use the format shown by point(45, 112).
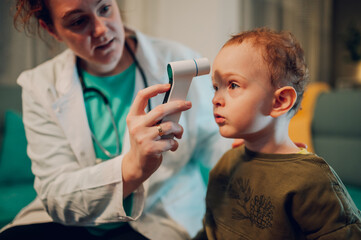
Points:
point(203, 25)
point(18, 51)
point(345, 72)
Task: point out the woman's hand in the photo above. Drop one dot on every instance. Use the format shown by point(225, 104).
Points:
point(146, 145)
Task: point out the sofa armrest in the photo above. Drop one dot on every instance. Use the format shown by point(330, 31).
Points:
point(336, 133)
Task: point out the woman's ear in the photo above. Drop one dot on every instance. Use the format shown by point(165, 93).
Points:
point(50, 30)
point(283, 100)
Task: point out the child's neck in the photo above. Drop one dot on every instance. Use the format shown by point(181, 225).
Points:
point(273, 139)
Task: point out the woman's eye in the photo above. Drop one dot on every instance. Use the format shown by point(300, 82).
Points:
point(77, 22)
point(105, 9)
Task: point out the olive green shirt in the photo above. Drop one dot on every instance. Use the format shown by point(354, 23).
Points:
point(277, 196)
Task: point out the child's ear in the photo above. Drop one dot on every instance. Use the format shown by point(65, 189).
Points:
point(50, 30)
point(283, 100)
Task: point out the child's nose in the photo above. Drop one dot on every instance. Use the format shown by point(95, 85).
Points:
point(218, 99)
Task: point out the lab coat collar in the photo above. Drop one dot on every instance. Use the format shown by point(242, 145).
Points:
point(67, 72)
point(70, 111)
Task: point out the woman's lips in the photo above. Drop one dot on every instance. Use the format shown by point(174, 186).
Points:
point(106, 45)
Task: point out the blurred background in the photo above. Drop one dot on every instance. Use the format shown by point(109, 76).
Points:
point(329, 31)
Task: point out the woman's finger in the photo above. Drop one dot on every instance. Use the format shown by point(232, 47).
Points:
point(142, 97)
point(164, 145)
point(167, 128)
point(160, 111)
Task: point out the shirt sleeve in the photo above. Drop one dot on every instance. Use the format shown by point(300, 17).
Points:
point(350, 232)
point(323, 209)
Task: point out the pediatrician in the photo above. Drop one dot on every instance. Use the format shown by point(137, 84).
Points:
point(91, 113)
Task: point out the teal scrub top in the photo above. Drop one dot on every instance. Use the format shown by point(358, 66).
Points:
point(119, 90)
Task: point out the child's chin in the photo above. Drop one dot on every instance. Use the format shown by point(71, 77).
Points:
point(227, 134)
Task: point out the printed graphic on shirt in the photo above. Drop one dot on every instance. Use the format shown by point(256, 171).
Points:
point(257, 209)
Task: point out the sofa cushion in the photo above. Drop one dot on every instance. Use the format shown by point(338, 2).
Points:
point(336, 131)
point(10, 96)
point(13, 198)
point(355, 193)
point(15, 165)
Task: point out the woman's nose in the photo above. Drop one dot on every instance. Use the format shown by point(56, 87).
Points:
point(99, 27)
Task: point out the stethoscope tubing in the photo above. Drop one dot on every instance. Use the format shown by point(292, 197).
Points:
point(107, 103)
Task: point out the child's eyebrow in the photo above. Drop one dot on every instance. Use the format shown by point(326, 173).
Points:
point(226, 76)
point(240, 78)
point(235, 76)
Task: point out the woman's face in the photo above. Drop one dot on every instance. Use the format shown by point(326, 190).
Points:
point(93, 29)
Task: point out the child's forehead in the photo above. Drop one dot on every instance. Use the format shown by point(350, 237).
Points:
point(240, 55)
point(243, 60)
point(246, 46)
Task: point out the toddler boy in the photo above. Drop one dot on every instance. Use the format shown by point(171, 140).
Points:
point(269, 188)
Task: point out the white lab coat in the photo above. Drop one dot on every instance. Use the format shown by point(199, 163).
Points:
point(74, 190)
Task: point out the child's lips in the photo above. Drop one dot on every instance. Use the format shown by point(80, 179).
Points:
point(219, 119)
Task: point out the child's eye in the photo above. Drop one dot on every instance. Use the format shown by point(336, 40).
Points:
point(233, 85)
point(215, 88)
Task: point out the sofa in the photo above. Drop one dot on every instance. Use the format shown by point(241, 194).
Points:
point(16, 178)
point(329, 123)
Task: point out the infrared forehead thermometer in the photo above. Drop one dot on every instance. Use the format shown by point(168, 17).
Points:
point(180, 74)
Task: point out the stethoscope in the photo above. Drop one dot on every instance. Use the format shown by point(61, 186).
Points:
point(87, 90)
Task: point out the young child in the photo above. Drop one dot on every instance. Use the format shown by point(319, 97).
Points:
point(269, 188)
